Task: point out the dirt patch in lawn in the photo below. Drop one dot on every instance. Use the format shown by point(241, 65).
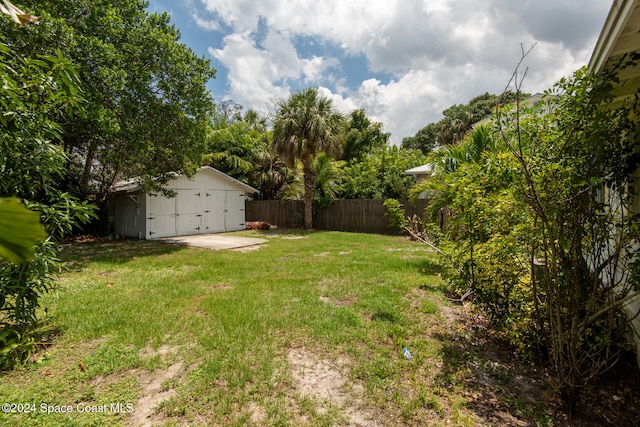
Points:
point(326, 383)
point(344, 302)
point(157, 386)
point(148, 352)
point(247, 248)
point(221, 287)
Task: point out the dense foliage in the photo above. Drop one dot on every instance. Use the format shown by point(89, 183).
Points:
point(94, 92)
point(538, 212)
point(362, 136)
point(306, 125)
point(379, 174)
point(457, 121)
point(37, 93)
point(147, 104)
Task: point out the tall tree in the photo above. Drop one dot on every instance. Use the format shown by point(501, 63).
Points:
point(362, 136)
point(306, 124)
point(380, 174)
point(458, 120)
point(270, 174)
point(233, 148)
point(328, 176)
point(236, 144)
point(425, 140)
point(147, 100)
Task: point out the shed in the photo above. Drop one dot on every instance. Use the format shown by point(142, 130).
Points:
point(210, 202)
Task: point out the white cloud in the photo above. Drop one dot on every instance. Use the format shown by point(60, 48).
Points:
point(260, 73)
point(316, 69)
point(252, 77)
point(434, 52)
point(206, 24)
point(408, 103)
point(434, 6)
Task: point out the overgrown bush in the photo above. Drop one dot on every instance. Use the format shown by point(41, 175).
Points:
point(36, 93)
point(577, 155)
point(394, 211)
point(543, 235)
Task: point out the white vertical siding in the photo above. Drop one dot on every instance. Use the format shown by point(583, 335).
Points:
point(211, 202)
point(234, 212)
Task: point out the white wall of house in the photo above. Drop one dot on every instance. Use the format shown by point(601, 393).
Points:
point(620, 36)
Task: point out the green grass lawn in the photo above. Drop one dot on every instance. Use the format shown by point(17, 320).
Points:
point(308, 329)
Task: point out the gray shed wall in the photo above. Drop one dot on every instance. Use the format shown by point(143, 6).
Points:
point(129, 215)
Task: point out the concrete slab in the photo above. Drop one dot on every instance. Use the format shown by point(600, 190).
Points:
point(214, 241)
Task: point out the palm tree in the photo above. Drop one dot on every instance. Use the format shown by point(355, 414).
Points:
point(446, 161)
point(305, 125)
point(270, 174)
point(328, 175)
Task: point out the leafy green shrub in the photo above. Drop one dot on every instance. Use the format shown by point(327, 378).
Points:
point(16, 345)
point(394, 211)
point(36, 93)
point(501, 279)
point(543, 232)
point(22, 284)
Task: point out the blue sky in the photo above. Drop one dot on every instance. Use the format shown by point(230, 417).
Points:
point(402, 61)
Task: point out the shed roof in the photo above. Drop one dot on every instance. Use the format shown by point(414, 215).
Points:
point(133, 184)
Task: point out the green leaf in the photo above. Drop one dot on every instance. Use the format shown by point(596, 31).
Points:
point(20, 230)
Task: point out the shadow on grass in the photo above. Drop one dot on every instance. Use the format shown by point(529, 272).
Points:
point(430, 267)
point(77, 255)
point(441, 288)
point(503, 389)
point(385, 316)
point(499, 388)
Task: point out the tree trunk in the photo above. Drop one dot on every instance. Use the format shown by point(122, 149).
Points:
point(86, 173)
point(308, 194)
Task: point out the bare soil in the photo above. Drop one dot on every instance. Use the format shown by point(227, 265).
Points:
point(507, 390)
point(325, 382)
point(157, 386)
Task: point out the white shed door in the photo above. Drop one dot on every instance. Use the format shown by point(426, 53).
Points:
point(194, 212)
point(189, 212)
point(161, 217)
point(214, 211)
point(234, 213)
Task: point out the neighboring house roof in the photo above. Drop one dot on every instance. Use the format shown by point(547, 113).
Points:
point(427, 170)
point(620, 35)
point(133, 184)
point(420, 170)
point(534, 99)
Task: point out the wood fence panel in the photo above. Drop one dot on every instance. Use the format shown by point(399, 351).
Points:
point(357, 215)
point(283, 213)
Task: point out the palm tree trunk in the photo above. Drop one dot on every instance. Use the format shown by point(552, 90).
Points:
point(308, 194)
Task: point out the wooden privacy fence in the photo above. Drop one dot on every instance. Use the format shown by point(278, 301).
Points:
point(357, 215)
